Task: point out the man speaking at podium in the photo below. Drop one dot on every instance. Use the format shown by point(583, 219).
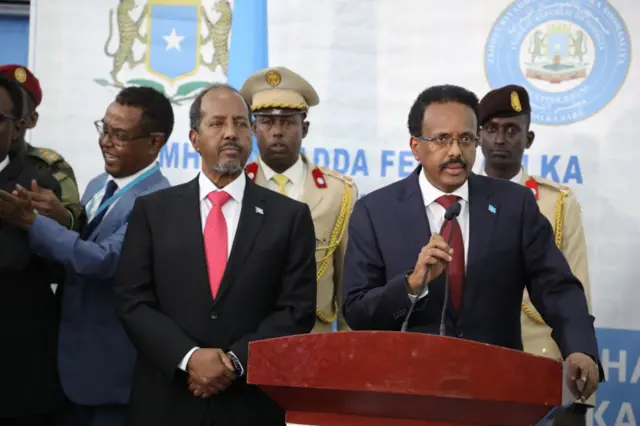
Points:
point(496, 240)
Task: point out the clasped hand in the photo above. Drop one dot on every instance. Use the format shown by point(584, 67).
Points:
point(435, 253)
point(18, 207)
point(210, 372)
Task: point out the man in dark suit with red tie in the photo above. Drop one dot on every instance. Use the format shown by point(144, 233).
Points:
point(208, 267)
point(500, 243)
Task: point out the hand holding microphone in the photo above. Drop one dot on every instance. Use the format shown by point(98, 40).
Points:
point(430, 263)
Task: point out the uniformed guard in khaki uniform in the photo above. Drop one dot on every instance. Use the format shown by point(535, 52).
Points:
point(44, 158)
point(280, 100)
point(505, 116)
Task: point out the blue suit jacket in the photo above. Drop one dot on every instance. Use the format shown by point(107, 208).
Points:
point(95, 356)
point(508, 249)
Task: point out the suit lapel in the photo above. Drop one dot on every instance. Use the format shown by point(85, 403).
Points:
point(481, 222)
point(248, 227)
point(412, 213)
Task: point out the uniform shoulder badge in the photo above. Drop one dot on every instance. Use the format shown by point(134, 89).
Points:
point(252, 170)
point(334, 174)
point(318, 177)
point(47, 155)
point(550, 184)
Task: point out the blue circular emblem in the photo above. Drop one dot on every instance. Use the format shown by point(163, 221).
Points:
point(572, 57)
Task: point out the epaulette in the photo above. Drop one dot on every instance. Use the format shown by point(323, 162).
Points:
point(252, 170)
point(47, 155)
point(551, 184)
point(333, 173)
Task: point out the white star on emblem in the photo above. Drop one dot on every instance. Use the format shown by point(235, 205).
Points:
point(173, 40)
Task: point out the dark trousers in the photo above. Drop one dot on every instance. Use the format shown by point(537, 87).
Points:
point(104, 415)
point(44, 420)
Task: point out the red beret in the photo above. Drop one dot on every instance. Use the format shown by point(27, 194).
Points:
point(25, 78)
point(507, 101)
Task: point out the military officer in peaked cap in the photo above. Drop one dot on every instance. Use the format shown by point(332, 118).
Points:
point(44, 158)
point(505, 117)
point(280, 99)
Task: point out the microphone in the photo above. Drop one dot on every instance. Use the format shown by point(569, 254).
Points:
point(451, 213)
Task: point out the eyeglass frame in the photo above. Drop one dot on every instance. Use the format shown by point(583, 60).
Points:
point(99, 125)
point(8, 117)
point(442, 145)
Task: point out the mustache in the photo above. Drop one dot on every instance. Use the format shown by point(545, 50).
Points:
point(453, 161)
point(232, 144)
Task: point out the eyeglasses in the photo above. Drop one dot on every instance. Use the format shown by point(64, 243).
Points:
point(445, 140)
point(7, 117)
point(117, 137)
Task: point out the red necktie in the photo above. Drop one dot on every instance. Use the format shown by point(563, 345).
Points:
point(456, 266)
point(215, 240)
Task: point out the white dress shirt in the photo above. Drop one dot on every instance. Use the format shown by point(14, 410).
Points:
point(435, 213)
point(95, 201)
point(296, 174)
point(230, 211)
point(4, 163)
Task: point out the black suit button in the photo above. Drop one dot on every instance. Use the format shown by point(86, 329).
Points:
point(214, 315)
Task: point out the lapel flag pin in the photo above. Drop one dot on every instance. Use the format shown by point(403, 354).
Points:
point(492, 209)
point(259, 210)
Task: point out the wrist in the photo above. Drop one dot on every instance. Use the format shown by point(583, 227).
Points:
point(409, 280)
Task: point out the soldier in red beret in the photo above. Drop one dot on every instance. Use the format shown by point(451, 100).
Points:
point(505, 118)
point(44, 158)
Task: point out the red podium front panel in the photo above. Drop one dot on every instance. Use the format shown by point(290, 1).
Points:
point(390, 378)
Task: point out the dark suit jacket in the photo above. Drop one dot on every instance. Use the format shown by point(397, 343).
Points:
point(268, 290)
point(29, 312)
point(508, 249)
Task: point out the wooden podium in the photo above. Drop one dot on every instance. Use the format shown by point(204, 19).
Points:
point(378, 378)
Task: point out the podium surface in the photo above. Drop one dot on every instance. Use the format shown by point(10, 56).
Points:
point(402, 379)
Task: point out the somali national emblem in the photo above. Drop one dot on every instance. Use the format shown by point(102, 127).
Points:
point(21, 75)
point(572, 57)
point(273, 78)
point(173, 46)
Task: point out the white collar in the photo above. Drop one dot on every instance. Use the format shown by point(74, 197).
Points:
point(295, 173)
point(235, 188)
point(430, 193)
point(516, 179)
point(4, 163)
point(124, 181)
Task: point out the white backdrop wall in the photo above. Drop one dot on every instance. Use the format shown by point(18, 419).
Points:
point(369, 59)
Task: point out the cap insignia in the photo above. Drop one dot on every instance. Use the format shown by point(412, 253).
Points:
point(20, 75)
point(273, 78)
point(515, 102)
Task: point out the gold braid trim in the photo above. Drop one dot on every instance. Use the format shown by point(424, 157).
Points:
point(336, 236)
point(557, 225)
point(279, 105)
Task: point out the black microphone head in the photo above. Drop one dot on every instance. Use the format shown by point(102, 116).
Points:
point(453, 211)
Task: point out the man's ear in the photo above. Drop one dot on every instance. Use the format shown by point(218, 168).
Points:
point(33, 120)
point(530, 137)
point(195, 142)
point(414, 143)
point(305, 129)
point(157, 142)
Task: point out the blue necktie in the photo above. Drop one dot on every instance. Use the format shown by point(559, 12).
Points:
point(111, 189)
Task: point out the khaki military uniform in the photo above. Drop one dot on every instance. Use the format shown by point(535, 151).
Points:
point(330, 197)
point(55, 164)
point(559, 205)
